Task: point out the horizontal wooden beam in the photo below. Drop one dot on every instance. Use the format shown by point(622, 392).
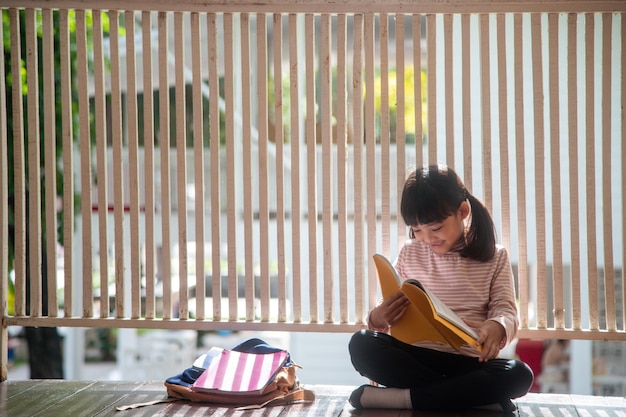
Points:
point(178, 324)
point(309, 327)
point(344, 6)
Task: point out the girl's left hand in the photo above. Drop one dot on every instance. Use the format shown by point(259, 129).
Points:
point(490, 336)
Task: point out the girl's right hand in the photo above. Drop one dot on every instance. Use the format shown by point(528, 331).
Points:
point(389, 311)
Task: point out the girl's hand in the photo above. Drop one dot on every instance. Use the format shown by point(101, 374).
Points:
point(389, 311)
point(490, 337)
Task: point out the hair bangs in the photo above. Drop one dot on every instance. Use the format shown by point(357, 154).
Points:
point(423, 206)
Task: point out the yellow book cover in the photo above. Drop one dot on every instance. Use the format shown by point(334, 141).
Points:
point(426, 318)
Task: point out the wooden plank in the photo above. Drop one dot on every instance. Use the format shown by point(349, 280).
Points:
point(296, 211)
point(133, 166)
point(431, 86)
point(181, 164)
point(4, 219)
point(401, 148)
point(590, 168)
point(539, 170)
point(214, 137)
point(342, 178)
point(85, 174)
point(503, 127)
point(164, 143)
point(50, 143)
point(574, 224)
point(247, 145)
point(148, 141)
point(198, 163)
point(279, 143)
point(263, 167)
point(58, 397)
point(101, 167)
point(371, 167)
point(325, 110)
point(359, 193)
point(323, 6)
point(385, 164)
point(33, 158)
point(310, 63)
point(118, 170)
point(466, 106)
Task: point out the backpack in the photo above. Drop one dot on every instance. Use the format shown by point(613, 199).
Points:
point(251, 375)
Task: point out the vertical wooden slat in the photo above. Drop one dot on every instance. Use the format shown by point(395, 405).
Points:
point(296, 214)
point(149, 177)
point(539, 173)
point(417, 80)
point(449, 91)
point(248, 214)
point(263, 156)
point(401, 155)
point(311, 165)
point(342, 165)
point(231, 211)
point(101, 161)
point(590, 169)
point(181, 166)
point(118, 169)
point(384, 185)
point(503, 126)
point(431, 85)
point(607, 210)
point(68, 163)
point(326, 131)
point(359, 195)
point(198, 159)
point(280, 165)
point(214, 146)
point(623, 164)
point(485, 82)
point(164, 143)
point(50, 141)
point(133, 166)
point(520, 165)
point(19, 203)
point(574, 200)
point(85, 169)
point(466, 109)
point(34, 171)
point(370, 152)
point(4, 220)
point(555, 175)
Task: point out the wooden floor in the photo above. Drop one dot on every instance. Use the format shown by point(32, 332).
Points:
point(52, 398)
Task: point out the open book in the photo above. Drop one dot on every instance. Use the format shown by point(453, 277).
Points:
point(427, 318)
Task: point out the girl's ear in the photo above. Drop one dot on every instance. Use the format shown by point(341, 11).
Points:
point(464, 210)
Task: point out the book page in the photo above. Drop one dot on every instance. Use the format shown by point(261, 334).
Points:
point(445, 312)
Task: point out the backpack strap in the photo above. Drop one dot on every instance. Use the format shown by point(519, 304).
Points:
point(298, 395)
point(147, 403)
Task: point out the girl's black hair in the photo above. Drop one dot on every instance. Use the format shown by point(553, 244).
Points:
point(432, 194)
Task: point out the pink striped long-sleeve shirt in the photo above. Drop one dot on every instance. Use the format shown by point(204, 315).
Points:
point(474, 290)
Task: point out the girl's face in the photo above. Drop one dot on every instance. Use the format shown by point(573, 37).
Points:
point(443, 236)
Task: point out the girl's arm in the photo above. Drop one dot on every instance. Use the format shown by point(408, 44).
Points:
point(502, 306)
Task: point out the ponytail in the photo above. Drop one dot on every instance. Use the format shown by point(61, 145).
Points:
point(480, 238)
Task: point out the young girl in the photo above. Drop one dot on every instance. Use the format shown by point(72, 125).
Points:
point(453, 252)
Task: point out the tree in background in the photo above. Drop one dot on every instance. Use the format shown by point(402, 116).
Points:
point(44, 344)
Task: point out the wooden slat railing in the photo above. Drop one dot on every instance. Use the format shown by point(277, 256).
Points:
point(273, 149)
